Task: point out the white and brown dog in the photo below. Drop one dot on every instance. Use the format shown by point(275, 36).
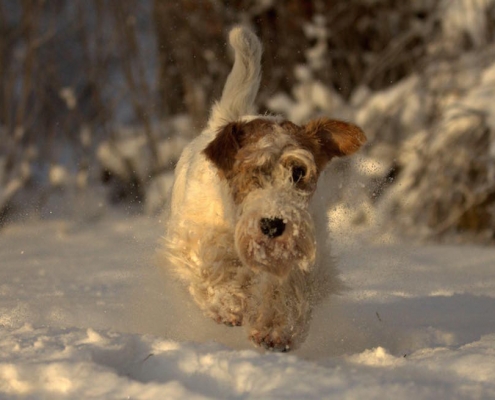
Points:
point(245, 223)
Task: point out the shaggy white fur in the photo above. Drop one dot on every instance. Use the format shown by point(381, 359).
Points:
point(247, 231)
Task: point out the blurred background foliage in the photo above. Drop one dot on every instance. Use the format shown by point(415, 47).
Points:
point(102, 91)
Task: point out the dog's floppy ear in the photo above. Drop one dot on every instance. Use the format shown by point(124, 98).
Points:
point(223, 149)
point(333, 138)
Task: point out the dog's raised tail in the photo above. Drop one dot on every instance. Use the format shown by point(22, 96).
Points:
point(241, 88)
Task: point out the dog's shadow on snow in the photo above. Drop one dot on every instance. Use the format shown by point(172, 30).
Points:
point(402, 326)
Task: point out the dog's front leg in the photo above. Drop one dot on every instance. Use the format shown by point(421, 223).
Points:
point(279, 311)
point(220, 283)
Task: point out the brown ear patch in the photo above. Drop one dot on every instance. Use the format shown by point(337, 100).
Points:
point(332, 138)
point(223, 149)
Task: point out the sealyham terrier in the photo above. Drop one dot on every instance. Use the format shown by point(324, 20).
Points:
point(247, 224)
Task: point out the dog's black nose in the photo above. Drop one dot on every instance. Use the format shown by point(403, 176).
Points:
point(272, 227)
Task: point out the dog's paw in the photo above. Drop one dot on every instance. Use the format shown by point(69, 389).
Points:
point(229, 319)
point(271, 340)
point(234, 321)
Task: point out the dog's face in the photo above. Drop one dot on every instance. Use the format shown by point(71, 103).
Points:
point(272, 169)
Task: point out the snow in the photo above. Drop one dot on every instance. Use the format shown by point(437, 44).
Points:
point(86, 364)
point(85, 314)
point(466, 17)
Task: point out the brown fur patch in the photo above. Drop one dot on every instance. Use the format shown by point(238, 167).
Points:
point(328, 138)
point(223, 149)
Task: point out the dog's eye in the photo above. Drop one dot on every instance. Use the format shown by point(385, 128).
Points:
point(298, 173)
point(255, 179)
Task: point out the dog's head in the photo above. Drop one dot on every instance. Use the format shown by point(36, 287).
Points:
point(272, 168)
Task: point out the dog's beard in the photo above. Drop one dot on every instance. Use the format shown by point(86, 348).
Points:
point(294, 248)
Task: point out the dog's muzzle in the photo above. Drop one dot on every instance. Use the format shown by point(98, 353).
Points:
point(275, 235)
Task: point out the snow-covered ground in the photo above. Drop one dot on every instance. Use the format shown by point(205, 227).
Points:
point(84, 314)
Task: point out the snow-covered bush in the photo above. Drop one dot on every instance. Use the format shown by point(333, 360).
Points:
point(131, 171)
point(468, 21)
point(446, 182)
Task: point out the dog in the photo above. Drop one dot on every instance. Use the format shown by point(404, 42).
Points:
point(247, 225)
